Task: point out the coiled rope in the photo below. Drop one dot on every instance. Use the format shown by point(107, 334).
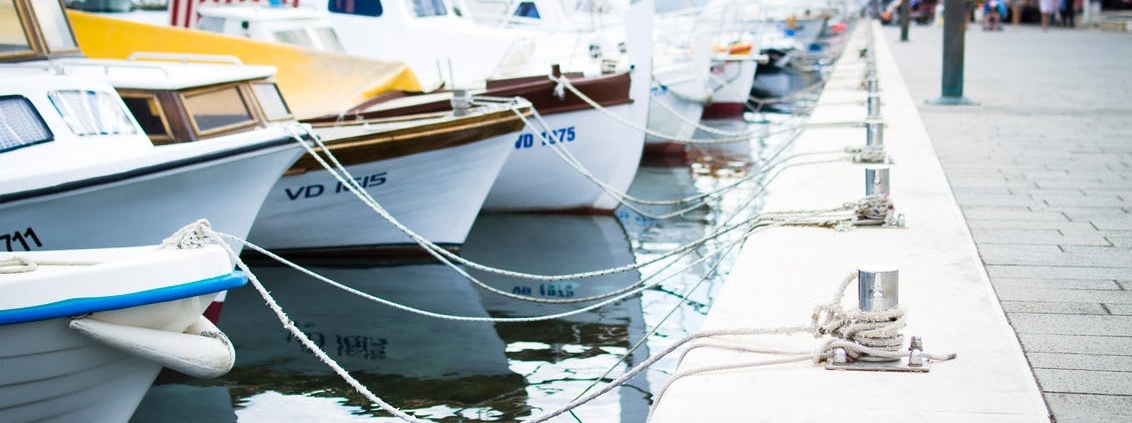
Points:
point(860, 333)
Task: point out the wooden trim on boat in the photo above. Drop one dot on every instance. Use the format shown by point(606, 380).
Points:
point(404, 141)
point(606, 90)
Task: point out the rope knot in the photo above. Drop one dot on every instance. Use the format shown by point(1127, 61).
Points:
point(194, 235)
point(17, 265)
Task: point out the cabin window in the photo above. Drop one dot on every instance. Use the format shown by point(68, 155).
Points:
point(211, 24)
point(54, 25)
point(274, 108)
point(295, 37)
point(89, 112)
point(13, 39)
point(527, 9)
point(147, 111)
point(20, 124)
point(329, 39)
point(426, 8)
point(218, 109)
point(356, 7)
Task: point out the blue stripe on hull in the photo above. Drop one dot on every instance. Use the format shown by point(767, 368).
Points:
point(79, 306)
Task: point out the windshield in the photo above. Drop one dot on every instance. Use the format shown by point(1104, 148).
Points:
point(93, 112)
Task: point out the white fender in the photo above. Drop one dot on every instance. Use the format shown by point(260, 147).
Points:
point(201, 351)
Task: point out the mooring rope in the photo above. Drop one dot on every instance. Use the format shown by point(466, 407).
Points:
point(859, 333)
point(20, 264)
point(200, 233)
point(564, 82)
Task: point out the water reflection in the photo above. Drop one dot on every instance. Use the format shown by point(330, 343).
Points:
point(561, 358)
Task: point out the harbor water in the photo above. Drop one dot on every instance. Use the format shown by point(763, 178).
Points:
point(438, 357)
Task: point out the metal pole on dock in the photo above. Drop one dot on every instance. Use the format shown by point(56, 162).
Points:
point(905, 11)
point(954, 29)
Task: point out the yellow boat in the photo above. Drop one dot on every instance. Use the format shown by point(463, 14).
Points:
point(314, 82)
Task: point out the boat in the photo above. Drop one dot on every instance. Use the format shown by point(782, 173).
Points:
point(107, 184)
point(116, 178)
point(437, 40)
point(86, 331)
point(431, 171)
point(534, 177)
point(681, 85)
point(300, 72)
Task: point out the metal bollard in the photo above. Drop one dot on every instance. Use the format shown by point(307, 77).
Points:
point(878, 288)
point(874, 105)
point(461, 102)
point(874, 133)
point(876, 180)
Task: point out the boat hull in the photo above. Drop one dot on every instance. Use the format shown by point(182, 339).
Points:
point(536, 178)
point(731, 87)
point(436, 194)
point(676, 107)
point(120, 209)
point(53, 374)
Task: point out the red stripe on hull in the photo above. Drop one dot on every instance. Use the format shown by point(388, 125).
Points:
point(724, 111)
point(212, 313)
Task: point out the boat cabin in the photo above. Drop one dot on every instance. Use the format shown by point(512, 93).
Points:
point(298, 26)
point(175, 98)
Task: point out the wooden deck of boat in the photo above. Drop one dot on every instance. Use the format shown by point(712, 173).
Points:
point(784, 273)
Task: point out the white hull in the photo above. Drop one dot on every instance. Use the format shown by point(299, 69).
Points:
point(535, 178)
point(436, 194)
point(731, 86)
point(53, 374)
point(70, 345)
point(125, 209)
point(684, 94)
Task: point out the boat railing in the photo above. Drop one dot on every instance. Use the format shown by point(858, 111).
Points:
point(61, 68)
point(185, 57)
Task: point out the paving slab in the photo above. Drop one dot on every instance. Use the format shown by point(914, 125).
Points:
point(1062, 125)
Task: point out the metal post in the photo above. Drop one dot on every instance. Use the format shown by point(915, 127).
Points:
point(878, 288)
point(954, 29)
point(905, 11)
point(874, 105)
point(876, 181)
point(874, 133)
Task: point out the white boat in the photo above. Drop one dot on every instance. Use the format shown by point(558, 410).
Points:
point(535, 177)
point(607, 142)
point(733, 70)
point(681, 84)
point(86, 331)
point(108, 184)
point(429, 171)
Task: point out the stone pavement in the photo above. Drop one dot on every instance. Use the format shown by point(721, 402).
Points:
point(1042, 171)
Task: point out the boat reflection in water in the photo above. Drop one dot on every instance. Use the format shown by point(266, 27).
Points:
point(564, 357)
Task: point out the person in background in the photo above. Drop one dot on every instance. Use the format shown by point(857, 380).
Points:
point(1046, 7)
point(1066, 9)
point(993, 11)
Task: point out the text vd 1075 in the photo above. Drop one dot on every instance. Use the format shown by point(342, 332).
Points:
point(555, 136)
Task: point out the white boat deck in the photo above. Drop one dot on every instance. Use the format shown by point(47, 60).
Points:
point(785, 272)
